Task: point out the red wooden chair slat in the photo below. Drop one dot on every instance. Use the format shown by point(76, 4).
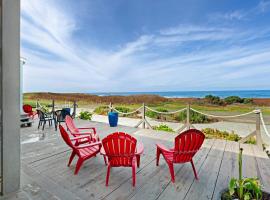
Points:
point(120, 150)
point(83, 152)
point(75, 131)
point(186, 146)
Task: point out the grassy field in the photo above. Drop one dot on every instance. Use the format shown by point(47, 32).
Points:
point(153, 101)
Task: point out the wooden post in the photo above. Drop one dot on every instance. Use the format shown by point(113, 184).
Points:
point(37, 104)
point(110, 107)
point(53, 106)
point(258, 130)
point(143, 116)
point(74, 109)
point(188, 117)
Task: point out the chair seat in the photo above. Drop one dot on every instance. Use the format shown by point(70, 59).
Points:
point(86, 152)
point(119, 162)
point(168, 156)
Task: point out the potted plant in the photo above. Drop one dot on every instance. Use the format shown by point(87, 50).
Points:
point(244, 188)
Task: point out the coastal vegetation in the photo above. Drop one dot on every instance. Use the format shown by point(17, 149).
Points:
point(227, 101)
point(163, 127)
point(153, 101)
point(85, 115)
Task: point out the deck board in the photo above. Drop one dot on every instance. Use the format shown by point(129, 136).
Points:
point(45, 174)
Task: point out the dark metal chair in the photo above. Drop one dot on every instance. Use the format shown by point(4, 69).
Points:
point(59, 116)
point(43, 118)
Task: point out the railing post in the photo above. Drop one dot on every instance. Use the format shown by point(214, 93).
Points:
point(53, 105)
point(110, 107)
point(74, 109)
point(258, 129)
point(143, 116)
point(37, 104)
point(188, 116)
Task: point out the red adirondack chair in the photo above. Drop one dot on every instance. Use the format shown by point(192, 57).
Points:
point(186, 146)
point(84, 152)
point(29, 110)
point(120, 151)
point(79, 131)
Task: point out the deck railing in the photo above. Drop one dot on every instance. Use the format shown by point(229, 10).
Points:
point(187, 125)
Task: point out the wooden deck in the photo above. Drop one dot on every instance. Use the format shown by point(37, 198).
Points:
point(46, 176)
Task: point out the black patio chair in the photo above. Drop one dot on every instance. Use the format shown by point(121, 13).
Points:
point(43, 118)
point(60, 116)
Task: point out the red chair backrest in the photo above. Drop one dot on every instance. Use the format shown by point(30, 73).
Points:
point(120, 148)
point(27, 108)
point(66, 137)
point(187, 144)
point(70, 125)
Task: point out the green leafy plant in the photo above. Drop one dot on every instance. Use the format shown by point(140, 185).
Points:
point(163, 127)
point(85, 115)
point(194, 117)
point(233, 99)
point(243, 188)
point(155, 115)
point(214, 100)
point(217, 134)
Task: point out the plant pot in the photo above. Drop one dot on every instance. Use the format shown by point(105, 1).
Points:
point(265, 195)
point(113, 119)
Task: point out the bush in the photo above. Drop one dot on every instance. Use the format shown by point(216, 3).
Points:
point(102, 110)
point(247, 101)
point(163, 127)
point(85, 115)
point(155, 115)
point(194, 117)
point(217, 134)
point(214, 100)
point(233, 99)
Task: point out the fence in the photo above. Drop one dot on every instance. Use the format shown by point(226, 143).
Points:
point(187, 125)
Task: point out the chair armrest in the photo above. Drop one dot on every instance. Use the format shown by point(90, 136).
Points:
point(164, 148)
point(139, 149)
point(79, 137)
point(89, 145)
point(84, 133)
point(88, 128)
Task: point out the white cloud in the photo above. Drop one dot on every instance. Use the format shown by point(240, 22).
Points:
point(183, 57)
point(263, 6)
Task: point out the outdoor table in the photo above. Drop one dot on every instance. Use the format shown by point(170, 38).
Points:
point(138, 152)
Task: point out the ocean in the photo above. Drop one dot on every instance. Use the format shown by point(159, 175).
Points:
point(197, 94)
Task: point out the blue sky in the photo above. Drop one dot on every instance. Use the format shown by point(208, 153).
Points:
point(145, 45)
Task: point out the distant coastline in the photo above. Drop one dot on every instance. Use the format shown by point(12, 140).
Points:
point(195, 94)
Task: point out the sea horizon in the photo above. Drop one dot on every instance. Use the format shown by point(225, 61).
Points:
point(195, 94)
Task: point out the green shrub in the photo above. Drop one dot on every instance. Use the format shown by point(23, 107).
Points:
point(233, 99)
point(217, 134)
point(155, 115)
point(85, 115)
point(151, 114)
point(214, 100)
point(194, 117)
point(247, 101)
point(163, 127)
point(102, 110)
